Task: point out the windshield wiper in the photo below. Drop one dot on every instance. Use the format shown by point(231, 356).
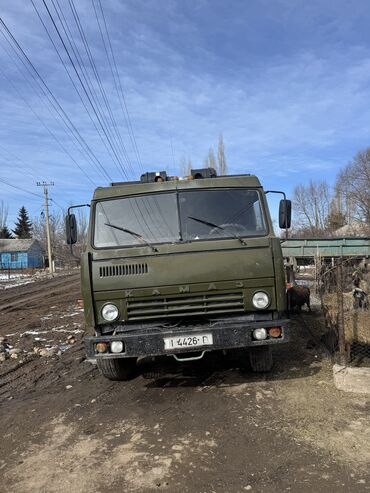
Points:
point(213, 225)
point(132, 233)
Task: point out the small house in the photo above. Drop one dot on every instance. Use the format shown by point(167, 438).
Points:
point(20, 254)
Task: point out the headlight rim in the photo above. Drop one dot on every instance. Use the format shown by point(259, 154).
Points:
point(111, 304)
point(268, 300)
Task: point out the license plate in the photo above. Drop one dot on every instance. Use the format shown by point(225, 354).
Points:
point(188, 341)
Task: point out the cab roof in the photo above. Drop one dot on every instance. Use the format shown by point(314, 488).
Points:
point(134, 188)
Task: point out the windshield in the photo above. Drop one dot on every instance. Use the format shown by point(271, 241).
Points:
point(179, 216)
point(153, 217)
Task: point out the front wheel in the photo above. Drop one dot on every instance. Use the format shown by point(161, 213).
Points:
point(117, 368)
point(260, 358)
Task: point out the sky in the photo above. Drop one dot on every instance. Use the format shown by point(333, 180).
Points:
point(287, 83)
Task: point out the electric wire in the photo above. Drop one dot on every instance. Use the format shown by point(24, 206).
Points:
point(71, 78)
point(100, 85)
point(48, 93)
point(82, 84)
point(108, 59)
point(84, 71)
point(59, 110)
point(141, 205)
point(109, 142)
point(50, 96)
point(94, 68)
point(5, 155)
point(103, 93)
point(66, 69)
point(47, 129)
point(119, 88)
point(121, 98)
point(58, 205)
point(20, 188)
point(36, 90)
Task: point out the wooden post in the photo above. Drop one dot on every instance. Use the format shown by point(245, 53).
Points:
point(340, 303)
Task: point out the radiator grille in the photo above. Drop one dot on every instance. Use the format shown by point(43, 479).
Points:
point(123, 270)
point(167, 307)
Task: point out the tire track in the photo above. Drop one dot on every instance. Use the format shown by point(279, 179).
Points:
point(40, 290)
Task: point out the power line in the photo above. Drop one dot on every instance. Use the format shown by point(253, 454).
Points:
point(83, 37)
point(117, 160)
point(47, 129)
point(123, 105)
point(50, 97)
point(54, 102)
point(113, 75)
point(145, 203)
point(68, 73)
point(20, 188)
point(118, 86)
point(85, 74)
point(58, 205)
point(36, 90)
point(100, 85)
point(5, 154)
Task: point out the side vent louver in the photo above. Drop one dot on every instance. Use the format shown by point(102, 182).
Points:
point(123, 270)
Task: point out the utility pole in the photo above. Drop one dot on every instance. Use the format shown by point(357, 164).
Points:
point(45, 186)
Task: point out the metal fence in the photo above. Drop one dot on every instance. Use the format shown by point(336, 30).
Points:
point(344, 287)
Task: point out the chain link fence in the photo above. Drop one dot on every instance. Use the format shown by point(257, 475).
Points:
point(344, 286)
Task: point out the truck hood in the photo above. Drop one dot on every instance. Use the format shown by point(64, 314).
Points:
point(253, 261)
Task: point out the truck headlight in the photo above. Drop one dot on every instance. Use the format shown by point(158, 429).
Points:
point(109, 312)
point(116, 346)
point(260, 334)
point(260, 300)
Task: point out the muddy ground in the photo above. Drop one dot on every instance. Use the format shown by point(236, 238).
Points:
point(211, 426)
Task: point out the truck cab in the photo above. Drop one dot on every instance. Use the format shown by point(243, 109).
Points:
point(180, 267)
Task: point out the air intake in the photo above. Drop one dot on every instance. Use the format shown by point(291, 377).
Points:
point(123, 270)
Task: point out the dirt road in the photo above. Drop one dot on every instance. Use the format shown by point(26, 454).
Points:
point(213, 426)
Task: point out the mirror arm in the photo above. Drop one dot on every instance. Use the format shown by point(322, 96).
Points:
point(69, 213)
point(284, 195)
point(75, 207)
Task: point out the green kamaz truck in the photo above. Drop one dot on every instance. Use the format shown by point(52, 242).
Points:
point(180, 267)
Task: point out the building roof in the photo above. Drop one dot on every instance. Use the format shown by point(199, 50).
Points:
point(327, 247)
point(17, 245)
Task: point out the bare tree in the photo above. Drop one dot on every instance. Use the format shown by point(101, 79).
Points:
point(311, 205)
point(210, 161)
point(354, 185)
point(185, 166)
point(3, 214)
point(82, 224)
point(222, 165)
point(61, 251)
point(5, 233)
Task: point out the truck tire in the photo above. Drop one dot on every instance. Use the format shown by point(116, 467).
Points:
point(260, 358)
point(117, 368)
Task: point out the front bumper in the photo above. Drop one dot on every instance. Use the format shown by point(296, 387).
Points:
point(227, 334)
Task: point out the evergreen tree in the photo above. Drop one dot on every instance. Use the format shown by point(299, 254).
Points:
point(23, 226)
point(5, 234)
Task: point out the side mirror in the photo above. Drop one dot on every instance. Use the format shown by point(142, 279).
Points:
point(285, 214)
point(71, 229)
